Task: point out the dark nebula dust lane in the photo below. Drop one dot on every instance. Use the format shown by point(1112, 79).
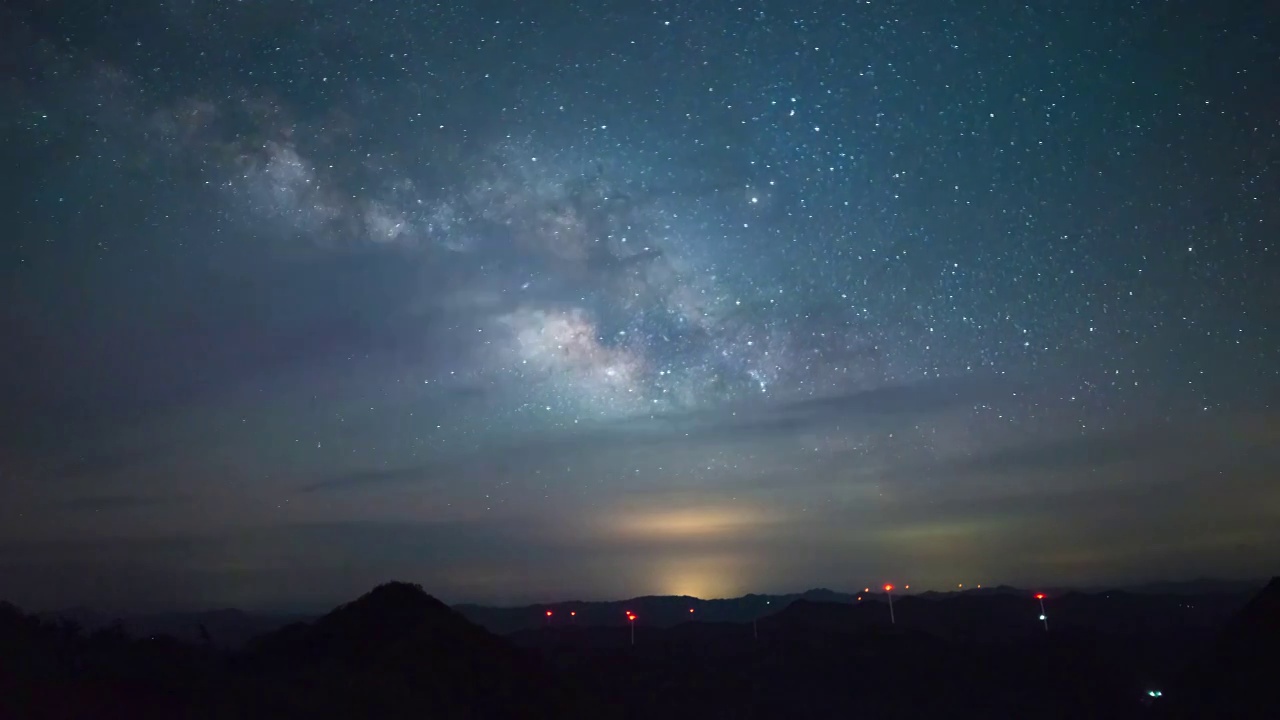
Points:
point(527, 302)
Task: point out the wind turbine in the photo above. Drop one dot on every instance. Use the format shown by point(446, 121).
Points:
point(631, 620)
point(1043, 617)
point(755, 633)
point(888, 590)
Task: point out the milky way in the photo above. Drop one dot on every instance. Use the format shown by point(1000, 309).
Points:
point(602, 298)
point(742, 297)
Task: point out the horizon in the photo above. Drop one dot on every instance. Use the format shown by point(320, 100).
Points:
point(318, 608)
point(1011, 652)
point(534, 299)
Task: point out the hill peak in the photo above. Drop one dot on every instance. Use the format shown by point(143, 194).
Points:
point(1256, 628)
point(396, 595)
point(395, 607)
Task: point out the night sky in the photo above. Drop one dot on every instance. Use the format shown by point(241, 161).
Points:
point(531, 301)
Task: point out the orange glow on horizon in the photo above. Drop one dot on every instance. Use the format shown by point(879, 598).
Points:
point(685, 523)
point(694, 575)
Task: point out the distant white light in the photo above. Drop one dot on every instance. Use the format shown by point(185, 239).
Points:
point(1043, 617)
point(1155, 693)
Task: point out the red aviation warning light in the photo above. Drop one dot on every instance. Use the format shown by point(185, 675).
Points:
point(888, 588)
point(1039, 596)
point(548, 613)
point(573, 613)
point(690, 609)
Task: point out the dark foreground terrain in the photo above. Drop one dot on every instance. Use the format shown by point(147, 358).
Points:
point(398, 652)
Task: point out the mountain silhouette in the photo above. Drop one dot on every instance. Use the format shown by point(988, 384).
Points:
point(1236, 676)
point(974, 612)
point(399, 652)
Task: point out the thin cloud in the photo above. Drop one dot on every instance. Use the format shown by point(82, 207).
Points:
point(363, 479)
point(94, 503)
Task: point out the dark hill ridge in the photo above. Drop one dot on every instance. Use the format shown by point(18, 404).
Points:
point(812, 661)
point(398, 652)
point(391, 615)
point(984, 651)
point(1236, 677)
point(1210, 600)
point(398, 632)
point(656, 610)
point(227, 628)
point(1001, 609)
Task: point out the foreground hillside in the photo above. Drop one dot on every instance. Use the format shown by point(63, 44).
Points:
point(398, 652)
point(394, 653)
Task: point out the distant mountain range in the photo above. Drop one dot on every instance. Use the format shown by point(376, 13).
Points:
point(226, 628)
point(231, 628)
point(666, 611)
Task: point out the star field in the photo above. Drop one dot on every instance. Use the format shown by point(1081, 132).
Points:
point(736, 297)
